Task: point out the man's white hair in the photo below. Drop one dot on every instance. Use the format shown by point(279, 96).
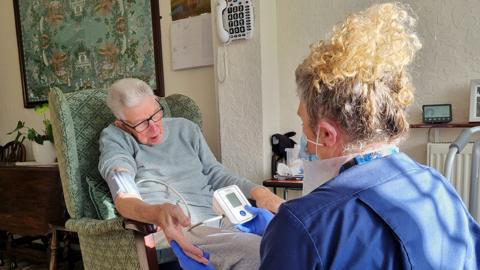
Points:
point(126, 93)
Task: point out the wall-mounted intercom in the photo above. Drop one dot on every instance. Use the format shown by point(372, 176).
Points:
point(234, 19)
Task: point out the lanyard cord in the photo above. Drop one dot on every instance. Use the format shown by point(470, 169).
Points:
point(362, 159)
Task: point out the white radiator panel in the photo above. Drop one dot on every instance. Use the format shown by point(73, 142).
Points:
point(436, 155)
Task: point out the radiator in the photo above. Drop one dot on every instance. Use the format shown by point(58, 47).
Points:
point(436, 155)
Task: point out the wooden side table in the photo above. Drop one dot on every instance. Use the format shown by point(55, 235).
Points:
point(285, 184)
point(31, 205)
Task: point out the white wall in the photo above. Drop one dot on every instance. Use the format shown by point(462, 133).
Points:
point(248, 98)
point(240, 106)
point(197, 83)
point(442, 71)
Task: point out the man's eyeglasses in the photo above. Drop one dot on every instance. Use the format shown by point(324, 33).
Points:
point(142, 126)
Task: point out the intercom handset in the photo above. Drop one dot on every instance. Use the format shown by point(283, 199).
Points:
point(230, 202)
point(234, 19)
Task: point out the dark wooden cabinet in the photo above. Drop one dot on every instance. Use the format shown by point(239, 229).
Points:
point(31, 203)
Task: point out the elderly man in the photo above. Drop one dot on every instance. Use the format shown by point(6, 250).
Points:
point(142, 145)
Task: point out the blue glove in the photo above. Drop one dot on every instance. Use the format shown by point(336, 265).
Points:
point(259, 223)
point(188, 263)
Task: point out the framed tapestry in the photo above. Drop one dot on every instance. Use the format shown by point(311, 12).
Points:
point(83, 44)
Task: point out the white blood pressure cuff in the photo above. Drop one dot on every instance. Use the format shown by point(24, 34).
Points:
point(122, 182)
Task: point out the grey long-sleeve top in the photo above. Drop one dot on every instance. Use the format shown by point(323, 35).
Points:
point(183, 161)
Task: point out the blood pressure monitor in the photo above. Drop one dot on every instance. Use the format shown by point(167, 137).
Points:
point(230, 201)
point(437, 113)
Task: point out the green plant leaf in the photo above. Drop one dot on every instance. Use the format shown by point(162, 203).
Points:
point(48, 130)
point(41, 109)
point(19, 135)
point(20, 125)
point(32, 134)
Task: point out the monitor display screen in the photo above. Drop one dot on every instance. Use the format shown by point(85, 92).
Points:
point(437, 111)
point(233, 199)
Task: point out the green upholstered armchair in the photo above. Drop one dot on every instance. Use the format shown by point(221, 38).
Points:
point(78, 118)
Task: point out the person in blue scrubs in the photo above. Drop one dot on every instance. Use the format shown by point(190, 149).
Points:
point(381, 209)
point(373, 207)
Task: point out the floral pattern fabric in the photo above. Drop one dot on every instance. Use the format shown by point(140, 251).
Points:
point(85, 44)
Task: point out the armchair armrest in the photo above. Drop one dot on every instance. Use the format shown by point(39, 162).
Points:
point(97, 226)
point(94, 226)
point(138, 226)
point(144, 241)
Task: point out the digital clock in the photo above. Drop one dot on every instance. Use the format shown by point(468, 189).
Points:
point(437, 113)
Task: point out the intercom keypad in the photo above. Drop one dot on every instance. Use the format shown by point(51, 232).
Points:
point(239, 19)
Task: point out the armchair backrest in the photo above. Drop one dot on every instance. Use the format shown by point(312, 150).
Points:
point(184, 107)
point(77, 120)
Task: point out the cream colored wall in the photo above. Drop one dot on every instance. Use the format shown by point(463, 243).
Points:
point(196, 83)
point(270, 93)
point(11, 98)
point(441, 73)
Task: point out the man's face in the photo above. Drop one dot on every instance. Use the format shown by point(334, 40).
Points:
point(135, 119)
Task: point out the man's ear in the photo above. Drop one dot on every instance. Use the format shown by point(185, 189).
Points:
point(121, 126)
point(328, 134)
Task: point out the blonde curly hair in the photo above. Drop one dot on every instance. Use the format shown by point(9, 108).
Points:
point(359, 77)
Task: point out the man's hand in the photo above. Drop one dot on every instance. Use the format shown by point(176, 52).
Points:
point(259, 223)
point(168, 217)
point(171, 220)
point(186, 262)
point(266, 199)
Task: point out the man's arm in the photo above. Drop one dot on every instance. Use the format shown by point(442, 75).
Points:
point(118, 168)
point(168, 217)
point(219, 177)
point(116, 153)
point(264, 198)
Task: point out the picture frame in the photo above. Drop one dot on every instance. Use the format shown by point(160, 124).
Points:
point(85, 44)
point(474, 101)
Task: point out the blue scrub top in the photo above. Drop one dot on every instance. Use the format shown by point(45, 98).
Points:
point(389, 213)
